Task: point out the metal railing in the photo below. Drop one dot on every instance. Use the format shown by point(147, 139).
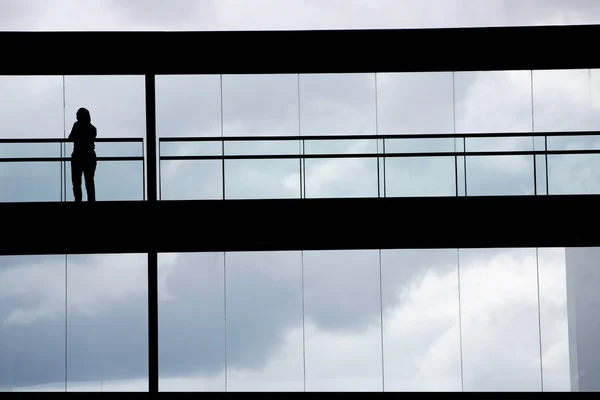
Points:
point(63, 158)
point(460, 152)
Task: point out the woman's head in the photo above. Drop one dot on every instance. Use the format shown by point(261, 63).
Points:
point(83, 115)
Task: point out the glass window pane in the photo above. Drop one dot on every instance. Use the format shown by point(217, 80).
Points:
point(583, 279)
point(493, 101)
point(499, 175)
point(342, 307)
point(341, 177)
point(264, 321)
point(256, 105)
point(340, 146)
point(500, 320)
point(191, 314)
point(117, 104)
point(188, 105)
point(32, 107)
point(554, 319)
point(191, 148)
point(107, 325)
point(28, 149)
point(32, 323)
point(337, 104)
point(115, 149)
point(191, 180)
point(574, 174)
point(420, 176)
point(496, 102)
point(262, 179)
point(114, 181)
point(30, 181)
point(562, 101)
point(421, 323)
point(595, 98)
point(415, 102)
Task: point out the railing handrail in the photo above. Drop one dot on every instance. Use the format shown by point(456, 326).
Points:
point(447, 154)
point(65, 140)
point(273, 138)
point(61, 159)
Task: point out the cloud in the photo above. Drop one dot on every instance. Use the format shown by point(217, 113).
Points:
point(271, 14)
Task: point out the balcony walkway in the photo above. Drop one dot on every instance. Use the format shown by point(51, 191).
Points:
point(308, 224)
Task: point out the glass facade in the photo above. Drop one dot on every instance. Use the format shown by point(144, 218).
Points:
point(358, 320)
point(353, 320)
point(378, 135)
point(310, 135)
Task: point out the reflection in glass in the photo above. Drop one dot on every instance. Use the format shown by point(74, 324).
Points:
point(360, 146)
point(342, 321)
point(188, 105)
point(261, 147)
point(256, 105)
point(415, 103)
point(30, 181)
point(191, 314)
point(191, 180)
point(499, 175)
point(184, 148)
point(500, 320)
point(32, 323)
point(574, 174)
point(117, 103)
point(341, 177)
point(420, 176)
point(553, 319)
point(496, 102)
point(595, 98)
point(541, 175)
point(264, 321)
point(262, 179)
point(583, 279)
point(114, 149)
point(114, 181)
point(562, 102)
point(421, 324)
point(337, 104)
point(493, 102)
point(29, 150)
point(107, 325)
point(33, 107)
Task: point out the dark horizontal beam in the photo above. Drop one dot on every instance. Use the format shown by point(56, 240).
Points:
point(333, 51)
point(319, 224)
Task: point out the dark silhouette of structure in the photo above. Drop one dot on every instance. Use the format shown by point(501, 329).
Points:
point(83, 159)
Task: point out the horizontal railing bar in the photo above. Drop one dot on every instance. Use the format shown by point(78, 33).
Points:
point(374, 137)
point(381, 155)
point(62, 140)
point(59, 159)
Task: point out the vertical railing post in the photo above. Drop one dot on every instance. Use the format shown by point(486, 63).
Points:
point(151, 188)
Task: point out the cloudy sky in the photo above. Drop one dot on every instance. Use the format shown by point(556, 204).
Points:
point(354, 320)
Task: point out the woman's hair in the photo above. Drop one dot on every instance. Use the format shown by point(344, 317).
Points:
point(83, 115)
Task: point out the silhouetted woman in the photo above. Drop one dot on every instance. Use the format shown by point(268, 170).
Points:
point(83, 159)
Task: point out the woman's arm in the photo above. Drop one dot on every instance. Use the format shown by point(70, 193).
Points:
point(73, 133)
